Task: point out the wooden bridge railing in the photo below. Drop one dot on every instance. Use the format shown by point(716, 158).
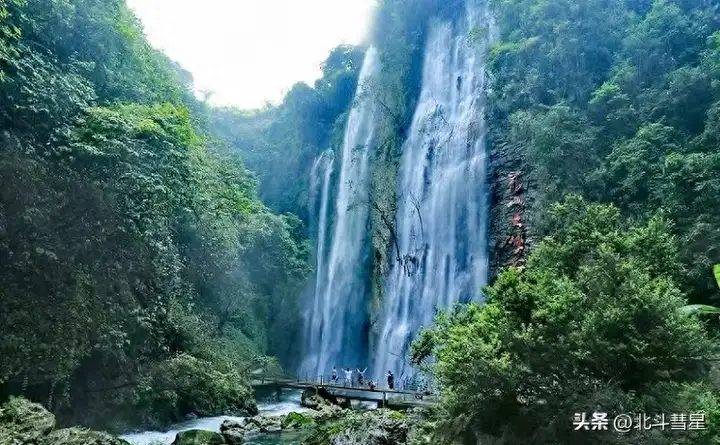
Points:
point(401, 385)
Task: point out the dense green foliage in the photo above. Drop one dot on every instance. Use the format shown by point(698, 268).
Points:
point(618, 100)
point(596, 320)
point(141, 276)
point(613, 107)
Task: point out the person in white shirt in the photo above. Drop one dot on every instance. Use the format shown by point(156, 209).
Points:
point(348, 377)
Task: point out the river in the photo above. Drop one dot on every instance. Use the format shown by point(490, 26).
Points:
point(289, 402)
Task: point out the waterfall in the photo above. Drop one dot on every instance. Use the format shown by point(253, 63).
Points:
point(443, 207)
point(335, 324)
point(320, 176)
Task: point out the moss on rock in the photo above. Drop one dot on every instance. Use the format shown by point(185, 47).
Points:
point(296, 420)
point(27, 423)
point(81, 436)
point(198, 437)
point(22, 421)
point(378, 427)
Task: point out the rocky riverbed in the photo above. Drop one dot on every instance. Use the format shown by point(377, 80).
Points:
point(269, 428)
point(317, 418)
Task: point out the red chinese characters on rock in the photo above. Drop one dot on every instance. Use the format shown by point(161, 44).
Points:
point(517, 239)
point(517, 220)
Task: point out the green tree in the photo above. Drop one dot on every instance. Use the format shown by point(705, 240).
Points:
point(131, 290)
point(617, 101)
point(593, 324)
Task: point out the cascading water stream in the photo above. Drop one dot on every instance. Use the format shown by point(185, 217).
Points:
point(320, 177)
point(289, 402)
point(443, 207)
point(336, 318)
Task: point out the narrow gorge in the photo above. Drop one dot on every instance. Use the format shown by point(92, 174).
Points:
point(506, 210)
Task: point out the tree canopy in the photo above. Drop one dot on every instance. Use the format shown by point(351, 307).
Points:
point(142, 276)
point(609, 109)
point(594, 324)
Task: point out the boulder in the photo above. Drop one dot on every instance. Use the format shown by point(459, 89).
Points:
point(325, 406)
point(378, 427)
point(27, 423)
point(232, 424)
point(262, 423)
point(344, 402)
point(309, 399)
point(198, 437)
point(22, 421)
point(233, 436)
point(233, 431)
point(251, 428)
point(250, 408)
point(269, 424)
point(327, 412)
point(320, 399)
point(82, 436)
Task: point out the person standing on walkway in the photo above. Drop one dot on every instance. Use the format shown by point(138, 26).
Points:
point(334, 377)
point(391, 380)
point(348, 377)
point(361, 376)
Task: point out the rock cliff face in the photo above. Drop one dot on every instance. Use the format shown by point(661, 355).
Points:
point(25, 423)
point(513, 200)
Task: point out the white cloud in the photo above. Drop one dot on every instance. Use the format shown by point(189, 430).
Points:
point(250, 51)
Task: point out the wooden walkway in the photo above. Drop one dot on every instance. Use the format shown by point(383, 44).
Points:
point(384, 397)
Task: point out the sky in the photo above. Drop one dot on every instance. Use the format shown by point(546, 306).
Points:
point(248, 52)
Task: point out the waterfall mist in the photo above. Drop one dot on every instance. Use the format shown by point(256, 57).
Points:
point(443, 204)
